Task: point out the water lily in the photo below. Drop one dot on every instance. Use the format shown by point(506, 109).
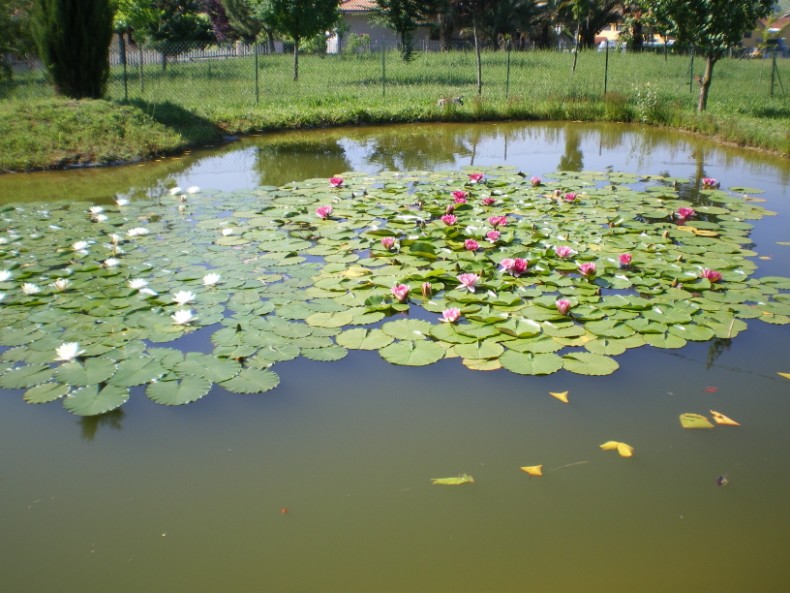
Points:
point(211, 279)
point(513, 266)
point(61, 284)
point(2, 296)
point(563, 251)
point(497, 221)
point(684, 213)
point(100, 218)
point(182, 297)
point(115, 238)
point(324, 211)
point(94, 210)
point(570, 196)
point(183, 317)
point(5, 275)
point(492, 236)
point(121, 202)
point(137, 283)
point(459, 196)
point(227, 232)
point(709, 183)
point(563, 306)
point(451, 315)
point(111, 262)
point(711, 275)
point(137, 232)
point(336, 181)
point(624, 259)
point(489, 201)
point(400, 292)
point(174, 191)
point(449, 219)
point(68, 351)
point(388, 242)
point(535, 181)
point(476, 177)
point(80, 246)
point(427, 289)
point(468, 281)
point(29, 288)
point(193, 189)
point(471, 245)
point(587, 269)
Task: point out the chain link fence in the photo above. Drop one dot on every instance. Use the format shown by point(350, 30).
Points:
point(367, 73)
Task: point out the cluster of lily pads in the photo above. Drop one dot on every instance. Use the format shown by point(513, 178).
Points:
point(498, 269)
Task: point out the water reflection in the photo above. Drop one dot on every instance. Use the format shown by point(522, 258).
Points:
point(89, 425)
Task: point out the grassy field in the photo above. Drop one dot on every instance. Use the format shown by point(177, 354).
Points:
point(194, 101)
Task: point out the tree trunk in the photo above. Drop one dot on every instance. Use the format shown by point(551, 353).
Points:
point(477, 52)
point(270, 39)
point(296, 59)
point(704, 83)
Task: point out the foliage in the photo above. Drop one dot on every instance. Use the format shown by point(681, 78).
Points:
point(15, 38)
point(166, 25)
point(589, 17)
point(403, 17)
point(73, 38)
point(711, 27)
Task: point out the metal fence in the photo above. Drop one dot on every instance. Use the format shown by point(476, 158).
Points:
point(254, 75)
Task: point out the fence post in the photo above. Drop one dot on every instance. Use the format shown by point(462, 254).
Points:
point(122, 52)
point(606, 69)
point(142, 84)
point(507, 78)
point(691, 72)
point(257, 83)
point(383, 69)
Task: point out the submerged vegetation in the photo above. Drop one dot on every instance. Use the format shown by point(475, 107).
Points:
point(498, 269)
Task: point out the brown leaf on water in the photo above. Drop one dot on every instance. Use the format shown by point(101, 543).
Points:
point(785, 375)
point(720, 418)
point(560, 395)
point(690, 420)
point(533, 470)
point(624, 449)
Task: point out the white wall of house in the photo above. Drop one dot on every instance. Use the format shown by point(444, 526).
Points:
point(359, 23)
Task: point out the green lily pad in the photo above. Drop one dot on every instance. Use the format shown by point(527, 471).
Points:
point(45, 393)
point(92, 372)
point(527, 363)
point(179, 391)
point(412, 353)
point(587, 363)
point(252, 381)
point(92, 401)
point(364, 339)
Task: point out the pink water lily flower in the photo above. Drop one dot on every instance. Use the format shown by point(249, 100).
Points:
point(492, 236)
point(400, 292)
point(449, 219)
point(336, 181)
point(468, 281)
point(570, 196)
point(459, 196)
point(471, 245)
point(323, 211)
point(451, 315)
point(476, 177)
point(513, 266)
point(563, 251)
point(496, 221)
point(535, 181)
point(684, 213)
point(624, 259)
point(587, 269)
point(709, 183)
point(711, 275)
point(488, 201)
point(563, 306)
point(388, 242)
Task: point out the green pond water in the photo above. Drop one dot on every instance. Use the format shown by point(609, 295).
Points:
point(322, 485)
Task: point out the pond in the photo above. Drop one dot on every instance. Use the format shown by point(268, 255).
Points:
point(323, 484)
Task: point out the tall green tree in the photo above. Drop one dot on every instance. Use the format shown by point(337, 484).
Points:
point(301, 19)
point(73, 40)
point(711, 27)
point(403, 17)
point(589, 17)
point(15, 38)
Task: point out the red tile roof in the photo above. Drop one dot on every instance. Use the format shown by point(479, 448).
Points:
point(357, 5)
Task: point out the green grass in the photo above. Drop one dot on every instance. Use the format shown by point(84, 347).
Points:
point(190, 103)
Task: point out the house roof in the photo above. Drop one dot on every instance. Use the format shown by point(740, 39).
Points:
point(357, 5)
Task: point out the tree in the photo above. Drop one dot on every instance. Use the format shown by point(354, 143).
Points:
point(473, 9)
point(403, 17)
point(711, 27)
point(73, 40)
point(589, 17)
point(15, 36)
point(220, 23)
point(301, 19)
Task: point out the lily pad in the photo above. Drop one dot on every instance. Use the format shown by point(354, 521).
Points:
point(412, 353)
point(92, 401)
point(179, 391)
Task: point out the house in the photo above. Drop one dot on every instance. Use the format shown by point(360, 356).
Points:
point(357, 18)
point(771, 32)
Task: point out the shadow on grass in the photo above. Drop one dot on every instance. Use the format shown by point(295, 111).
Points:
point(194, 129)
point(773, 112)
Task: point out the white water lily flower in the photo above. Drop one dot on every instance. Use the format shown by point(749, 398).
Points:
point(193, 190)
point(2, 296)
point(30, 288)
point(61, 283)
point(111, 262)
point(137, 283)
point(137, 231)
point(94, 210)
point(183, 317)
point(115, 239)
point(227, 232)
point(211, 279)
point(182, 297)
point(68, 351)
point(100, 218)
point(122, 202)
point(80, 246)
point(5, 275)
point(147, 292)
point(174, 191)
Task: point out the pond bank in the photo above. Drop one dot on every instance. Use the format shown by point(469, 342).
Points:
point(58, 133)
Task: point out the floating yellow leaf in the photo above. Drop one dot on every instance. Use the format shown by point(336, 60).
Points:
point(560, 395)
point(355, 272)
point(785, 375)
point(533, 470)
point(720, 418)
point(624, 449)
point(454, 481)
point(689, 420)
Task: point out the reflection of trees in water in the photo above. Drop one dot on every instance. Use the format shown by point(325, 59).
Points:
point(419, 148)
point(573, 159)
point(716, 348)
point(89, 425)
point(300, 158)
